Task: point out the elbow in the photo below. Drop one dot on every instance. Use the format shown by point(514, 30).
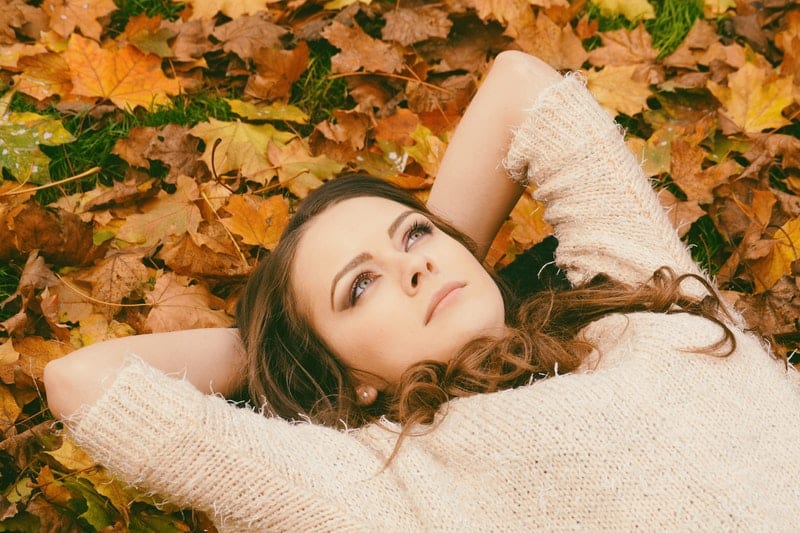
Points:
point(61, 387)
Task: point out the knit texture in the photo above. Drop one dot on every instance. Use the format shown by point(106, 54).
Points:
point(652, 434)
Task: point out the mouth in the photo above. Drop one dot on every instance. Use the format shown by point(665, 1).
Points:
point(440, 295)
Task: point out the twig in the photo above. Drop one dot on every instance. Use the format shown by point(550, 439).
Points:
point(93, 170)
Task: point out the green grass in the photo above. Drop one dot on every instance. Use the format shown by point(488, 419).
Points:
point(315, 92)
point(9, 279)
point(708, 246)
point(674, 19)
point(126, 9)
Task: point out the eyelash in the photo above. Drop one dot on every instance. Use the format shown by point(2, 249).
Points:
point(424, 227)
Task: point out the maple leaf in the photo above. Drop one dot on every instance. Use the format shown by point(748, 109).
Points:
point(65, 15)
point(632, 10)
point(298, 170)
point(148, 35)
point(411, 25)
point(242, 147)
point(427, 150)
point(21, 135)
point(275, 111)
point(616, 90)
point(126, 76)
point(754, 98)
point(207, 9)
point(191, 40)
point(44, 75)
point(624, 47)
point(276, 71)
point(557, 46)
point(114, 278)
point(211, 252)
point(171, 145)
point(245, 35)
point(258, 221)
point(360, 51)
point(167, 214)
point(178, 303)
point(780, 261)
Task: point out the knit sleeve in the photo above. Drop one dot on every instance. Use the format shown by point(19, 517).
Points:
point(605, 215)
point(247, 472)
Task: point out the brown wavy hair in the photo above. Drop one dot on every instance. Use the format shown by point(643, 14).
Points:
point(293, 374)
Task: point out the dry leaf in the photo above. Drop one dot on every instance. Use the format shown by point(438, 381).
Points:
point(616, 90)
point(258, 221)
point(412, 25)
point(360, 51)
point(180, 304)
point(66, 15)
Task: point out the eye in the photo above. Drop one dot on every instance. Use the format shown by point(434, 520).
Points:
point(417, 230)
point(360, 284)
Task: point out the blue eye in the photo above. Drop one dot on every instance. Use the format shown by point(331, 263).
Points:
point(360, 284)
point(417, 230)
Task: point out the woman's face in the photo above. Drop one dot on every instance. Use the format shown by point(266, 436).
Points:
point(384, 288)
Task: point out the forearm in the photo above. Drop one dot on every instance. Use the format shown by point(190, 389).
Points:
point(210, 359)
point(472, 190)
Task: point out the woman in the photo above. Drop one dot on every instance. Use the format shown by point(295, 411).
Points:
point(374, 325)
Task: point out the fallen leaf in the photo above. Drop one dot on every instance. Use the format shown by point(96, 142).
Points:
point(624, 47)
point(632, 10)
point(557, 46)
point(715, 8)
point(258, 221)
point(165, 215)
point(276, 71)
point(66, 15)
point(114, 278)
point(244, 35)
point(412, 25)
point(126, 76)
point(275, 111)
point(241, 148)
point(172, 145)
point(21, 135)
point(207, 9)
point(359, 51)
point(9, 408)
point(616, 90)
point(298, 170)
point(427, 150)
point(70, 456)
point(754, 99)
point(44, 76)
point(148, 35)
point(779, 262)
point(682, 214)
point(178, 304)
point(209, 253)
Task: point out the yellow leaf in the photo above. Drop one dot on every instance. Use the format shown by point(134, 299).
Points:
point(54, 491)
point(9, 409)
point(632, 10)
point(8, 354)
point(427, 150)
point(241, 148)
point(207, 9)
point(715, 8)
point(778, 263)
point(616, 90)
point(257, 220)
point(276, 111)
point(754, 98)
point(298, 170)
point(125, 76)
point(71, 457)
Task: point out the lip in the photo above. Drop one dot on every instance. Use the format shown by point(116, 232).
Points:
point(440, 295)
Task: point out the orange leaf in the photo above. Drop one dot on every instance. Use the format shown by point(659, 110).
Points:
point(65, 15)
point(616, 90)
point(778, 263)
point(257, 220)
point(360, 51)
point(125, 76)
point(180, 304)
point(44, 75)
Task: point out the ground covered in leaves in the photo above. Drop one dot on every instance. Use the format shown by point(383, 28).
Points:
point(152, 151)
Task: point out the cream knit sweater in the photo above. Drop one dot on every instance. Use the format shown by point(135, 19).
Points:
point(652, 435)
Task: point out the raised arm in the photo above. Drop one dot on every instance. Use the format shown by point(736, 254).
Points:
point(472, 190)
point(210, 359)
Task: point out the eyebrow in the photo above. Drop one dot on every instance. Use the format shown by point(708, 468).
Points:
point(364, 256)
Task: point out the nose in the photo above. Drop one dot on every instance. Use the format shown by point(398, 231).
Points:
point(415, 268)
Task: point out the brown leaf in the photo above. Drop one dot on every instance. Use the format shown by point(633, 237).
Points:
point(66, 15)
point(360, 51)
point(36, 352)
point(180, 304)
point(244, 35)
point(397, 128)
point(210, 253)
point(114, 278)
point(616, 90)
point(686, 171)
point(165, 215)
point(172, 145)
point(62, 237)
point(276, 71)
point(700, 37)
point(412, 25)
point(558, 46)
point(350, 127)
point(624, 47)
point(148, 35)
point(191, 38)
point(298, 170)
point(681, 214)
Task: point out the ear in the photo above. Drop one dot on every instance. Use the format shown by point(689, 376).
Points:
point(366, 395)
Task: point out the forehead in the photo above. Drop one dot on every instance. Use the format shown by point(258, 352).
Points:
point(342, 231)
